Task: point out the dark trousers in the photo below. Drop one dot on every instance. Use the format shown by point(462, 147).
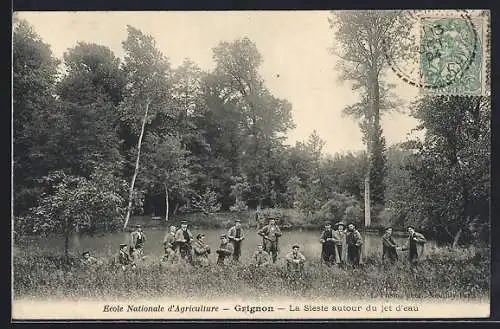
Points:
point(390, 255)
point(353, 253)
point(237, 251)
point(328, 253)
point(272, 248)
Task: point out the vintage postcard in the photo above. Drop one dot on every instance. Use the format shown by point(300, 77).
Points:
point(251, 165)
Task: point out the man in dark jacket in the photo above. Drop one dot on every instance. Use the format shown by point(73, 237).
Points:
point(354, 243)
point(235, 236)
point(225, 250)
point(389, 246)
point(328, 245)
point(415, 245)
point(137, 240)
point(123, 259)
point(270, 235)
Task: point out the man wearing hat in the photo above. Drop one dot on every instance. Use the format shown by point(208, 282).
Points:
point(415, 245)
point(235, 236)
point(137, 240)
point(270, 235)
point(295, 260)
point(225, 250)
point(184, 238)
point(389, 246)
point(88, 260)
point(339, 237)
point(169, 245)
point(354, 243)
point(201, 250)
point(123, 259)
point(260, 257)
point(328, 245)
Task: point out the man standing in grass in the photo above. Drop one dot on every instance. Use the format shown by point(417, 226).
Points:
point(260, 257)
point(328, 245)
point(169, 245)
point(354, 243)
point(270, 235)
point(235, 236)
point(295, 260)
point(183, 238)
point(339, 239)
point(201, 250)
point(137, 240)
point(389, 247)
point(225, 250)
point(415, 245)
point(123, 259)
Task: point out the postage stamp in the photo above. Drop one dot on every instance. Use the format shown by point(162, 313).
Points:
point(449, 54)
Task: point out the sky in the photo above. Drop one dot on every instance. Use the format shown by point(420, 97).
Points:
point(297, 63)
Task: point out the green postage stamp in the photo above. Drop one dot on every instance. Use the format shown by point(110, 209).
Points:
point(450, 53)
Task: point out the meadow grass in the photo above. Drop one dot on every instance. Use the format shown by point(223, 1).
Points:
point(445, 273)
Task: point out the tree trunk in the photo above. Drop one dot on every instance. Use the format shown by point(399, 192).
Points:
point(176, 208)
point(136, 169)
point(166, 203)
point(367, 202)
point(66, 245)
point(456, 239)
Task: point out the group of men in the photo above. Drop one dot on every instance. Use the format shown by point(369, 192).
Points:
point(340, 246)
point(334, 240)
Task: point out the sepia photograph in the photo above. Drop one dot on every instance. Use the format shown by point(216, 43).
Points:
point(251, 165)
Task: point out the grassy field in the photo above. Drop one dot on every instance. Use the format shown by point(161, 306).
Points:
point(39, 271)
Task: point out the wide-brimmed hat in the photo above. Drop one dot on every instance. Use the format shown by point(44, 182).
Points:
point(122, 245)
point(138, 225)
point(338, 224)
point(295, 246)
point(86, 252)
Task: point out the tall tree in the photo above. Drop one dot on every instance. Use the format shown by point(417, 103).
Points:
point(146, 93)
point(263, 118)
point(34, 111)
point(450, 174)
point(362, 37)
point(90, 93)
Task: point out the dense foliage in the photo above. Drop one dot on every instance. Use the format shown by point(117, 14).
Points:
point(211, 141)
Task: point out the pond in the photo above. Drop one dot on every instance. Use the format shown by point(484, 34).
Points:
point(105, 245)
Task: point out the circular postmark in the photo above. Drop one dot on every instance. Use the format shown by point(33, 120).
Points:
point(436, 51)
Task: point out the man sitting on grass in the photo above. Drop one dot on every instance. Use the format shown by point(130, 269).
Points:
point(295, 260)
point(123, 259)
point(88, 260)
point(225, 250)
point(260, 257)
